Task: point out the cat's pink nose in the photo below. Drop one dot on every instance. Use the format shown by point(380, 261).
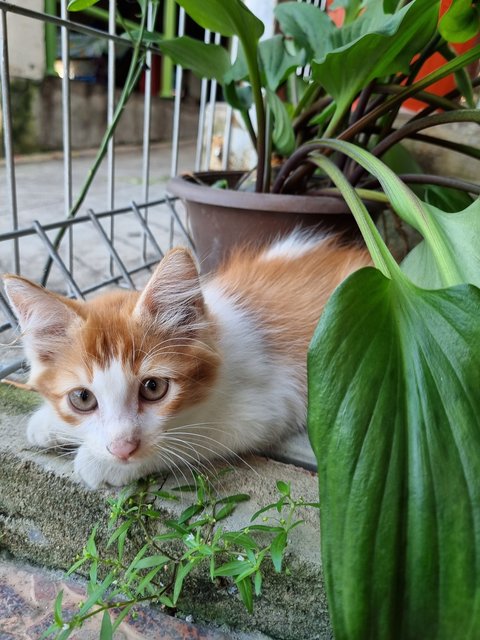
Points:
point(123, 448)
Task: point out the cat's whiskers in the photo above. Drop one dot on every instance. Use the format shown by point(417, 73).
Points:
point(163, 353)
point(212, 474)
point(187, 464)
point(183, 430)
point(179, 342)
point(61, 454)
point(195, 466)
point(193, 442)
point(200, 460)
point(171, 466)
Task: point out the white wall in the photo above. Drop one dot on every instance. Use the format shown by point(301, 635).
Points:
point(26, 42)
point(263, 9)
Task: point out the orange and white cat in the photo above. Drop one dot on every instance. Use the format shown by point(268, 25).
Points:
point(188, 369)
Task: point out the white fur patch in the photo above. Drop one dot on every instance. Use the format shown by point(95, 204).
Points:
point(293, 246)
point(258, 395)
point(116, 394)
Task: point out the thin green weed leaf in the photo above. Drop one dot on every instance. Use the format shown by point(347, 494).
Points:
point(277, 548)
point(152, 561)
point(57, 609)
point(106, 630)
point(246, 593)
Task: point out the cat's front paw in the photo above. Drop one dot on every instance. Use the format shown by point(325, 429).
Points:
point(96, 473)
point(42, 427)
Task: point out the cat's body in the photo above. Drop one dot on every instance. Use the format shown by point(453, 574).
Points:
point(182, 372)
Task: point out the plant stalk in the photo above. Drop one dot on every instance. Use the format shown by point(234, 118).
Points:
point(251, 57)
point(381, 256)
point(412, 90)
point(405, 201)
point(461, 115)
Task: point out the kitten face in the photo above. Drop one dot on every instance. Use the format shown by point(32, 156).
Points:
point(121, 371)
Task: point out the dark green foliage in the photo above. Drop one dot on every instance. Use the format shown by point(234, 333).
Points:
point(161, 567)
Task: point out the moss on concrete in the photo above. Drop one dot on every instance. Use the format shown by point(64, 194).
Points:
point(22, 95)
point(16, 402)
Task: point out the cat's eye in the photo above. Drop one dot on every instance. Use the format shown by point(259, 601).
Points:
point(153, 389)
point(82, 400)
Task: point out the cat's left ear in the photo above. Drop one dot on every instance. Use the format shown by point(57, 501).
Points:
point(44, 317)
point(173, 295)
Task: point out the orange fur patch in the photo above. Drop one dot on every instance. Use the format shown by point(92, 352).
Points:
point(287, 295)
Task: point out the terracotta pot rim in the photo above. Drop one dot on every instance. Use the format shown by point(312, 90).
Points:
point(185, 188)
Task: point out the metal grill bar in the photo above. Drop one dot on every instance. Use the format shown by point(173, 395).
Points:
point(113, 252)
point(28, 231)
point(110, 114)
point(229, 114)
point(176, 217)
point(147, 117)
point(201, 113)
point(147, 233)
point(116, 279)
point(57, 259)
point(178, 98)
point(66, 129)
point(211, 114)
point(73, 26)
point(7, 135)
point(7, 311)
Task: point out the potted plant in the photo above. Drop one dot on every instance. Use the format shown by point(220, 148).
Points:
point(361, 74)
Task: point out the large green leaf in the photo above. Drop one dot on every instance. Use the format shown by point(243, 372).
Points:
point(228, 17)
point(309, 26)
point(373, 46)
point(461, 22)
point(205, 60)
point(276, 62)
point(394, 420)
point(461, 234)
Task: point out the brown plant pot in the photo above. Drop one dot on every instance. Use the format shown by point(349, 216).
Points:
point(221, 219)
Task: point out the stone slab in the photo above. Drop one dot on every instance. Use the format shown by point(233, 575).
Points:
point(27, 593)
point(46, 517)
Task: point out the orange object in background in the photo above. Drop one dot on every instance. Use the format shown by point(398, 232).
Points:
point(337, 15)
point(444, 86)
point(441, 87)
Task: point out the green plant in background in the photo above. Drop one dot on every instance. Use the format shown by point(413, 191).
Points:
point(361, 74)
point(163, 562)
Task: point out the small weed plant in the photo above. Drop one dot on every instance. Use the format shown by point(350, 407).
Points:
point(158, 571)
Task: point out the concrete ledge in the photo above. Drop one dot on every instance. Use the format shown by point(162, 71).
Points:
point(46, 517)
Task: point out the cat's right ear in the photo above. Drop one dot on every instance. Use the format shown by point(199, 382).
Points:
point(173, 295)
point(43, 316)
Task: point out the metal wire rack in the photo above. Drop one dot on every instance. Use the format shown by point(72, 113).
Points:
point(115, 270)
